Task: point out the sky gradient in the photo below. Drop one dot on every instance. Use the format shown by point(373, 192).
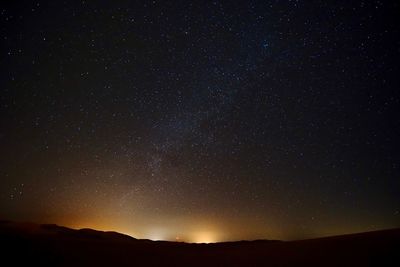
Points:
point(201, 121)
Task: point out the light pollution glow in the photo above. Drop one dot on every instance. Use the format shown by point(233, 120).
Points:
point(146, 217)
point(138, 215)
point(152, 233)
point(196, 230)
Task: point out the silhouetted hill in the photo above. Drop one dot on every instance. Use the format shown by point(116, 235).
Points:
point(54, 231)
point(53, 245)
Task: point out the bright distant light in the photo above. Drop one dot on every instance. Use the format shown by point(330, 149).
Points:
point(204, 237)
point(157, 234)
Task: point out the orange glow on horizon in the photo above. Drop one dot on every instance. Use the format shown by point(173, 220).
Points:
point(204, 237)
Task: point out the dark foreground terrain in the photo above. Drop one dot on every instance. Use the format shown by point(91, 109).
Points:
point(25, 244)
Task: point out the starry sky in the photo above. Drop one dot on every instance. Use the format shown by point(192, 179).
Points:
point(201, 121)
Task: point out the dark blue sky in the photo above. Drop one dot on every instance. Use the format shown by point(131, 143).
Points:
point(243, 120)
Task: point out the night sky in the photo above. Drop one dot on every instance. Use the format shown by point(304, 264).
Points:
point(201, 121)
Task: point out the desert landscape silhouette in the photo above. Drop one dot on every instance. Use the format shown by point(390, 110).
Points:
point(29, 244)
